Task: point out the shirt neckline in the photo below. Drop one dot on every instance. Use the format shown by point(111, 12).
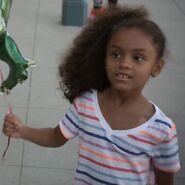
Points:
point(107, 127)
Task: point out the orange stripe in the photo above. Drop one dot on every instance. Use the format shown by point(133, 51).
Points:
point(86, 107)
point(151, 136)
point(112, 158)
point(173, 127)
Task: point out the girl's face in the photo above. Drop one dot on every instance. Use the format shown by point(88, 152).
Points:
point(131, 59)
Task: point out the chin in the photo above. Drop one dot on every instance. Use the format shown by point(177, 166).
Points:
point(121, 88)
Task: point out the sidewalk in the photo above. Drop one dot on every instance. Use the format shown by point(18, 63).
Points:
point(36, 27)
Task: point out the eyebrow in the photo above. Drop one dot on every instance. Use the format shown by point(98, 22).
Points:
point(135, 49)
point(115, 46)
point(141, 50)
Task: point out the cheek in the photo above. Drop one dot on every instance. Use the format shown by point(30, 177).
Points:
point(110, 64)
point(144, 74)
point(107, 65)
point(108, 70)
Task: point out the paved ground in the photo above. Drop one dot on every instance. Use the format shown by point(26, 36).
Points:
point(36, 27)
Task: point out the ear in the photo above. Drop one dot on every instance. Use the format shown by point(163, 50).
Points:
point(157, 68)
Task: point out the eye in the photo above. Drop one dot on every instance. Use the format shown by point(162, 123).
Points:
point(139, 58)
point(115, 54)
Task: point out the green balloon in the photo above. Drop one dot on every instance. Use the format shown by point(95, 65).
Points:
point(5, 7)
point(9, 52)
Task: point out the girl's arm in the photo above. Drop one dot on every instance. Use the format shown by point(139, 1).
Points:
point(48, 137)
point(163, 177)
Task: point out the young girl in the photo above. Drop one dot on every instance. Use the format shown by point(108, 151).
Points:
point(124, 138)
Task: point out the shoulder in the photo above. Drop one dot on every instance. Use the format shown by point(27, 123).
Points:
point(162, 121)
point(86, 96)
point(86, 99)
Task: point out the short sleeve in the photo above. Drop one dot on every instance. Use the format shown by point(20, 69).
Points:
point(69, 125)
point(167, 152)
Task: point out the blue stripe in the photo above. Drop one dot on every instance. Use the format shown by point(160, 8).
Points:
point(82, 180)
point(168, 156)
point(94, 178)
point(163, 122)
point(167, 164)
point(74, 115)
point(161, 148)
point(92, 126)
point(108, 175)
point(133, 146)
point(103, 138)
point(87, 124)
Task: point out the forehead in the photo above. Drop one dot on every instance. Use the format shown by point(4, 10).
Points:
point(132, 38)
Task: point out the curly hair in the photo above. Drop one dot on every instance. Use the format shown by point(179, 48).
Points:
point(83, 67)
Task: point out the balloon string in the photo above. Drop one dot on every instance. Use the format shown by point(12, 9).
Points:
point(10, 110)
point(6, 149)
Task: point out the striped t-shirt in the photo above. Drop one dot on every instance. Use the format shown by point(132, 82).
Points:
point(119, 157)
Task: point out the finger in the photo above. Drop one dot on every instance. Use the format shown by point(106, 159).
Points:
point(10, 116)
point(9, 125)
point(10, 134)
point(10, 131)
point(10, 119)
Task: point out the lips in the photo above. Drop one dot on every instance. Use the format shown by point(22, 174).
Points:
point(122, 76)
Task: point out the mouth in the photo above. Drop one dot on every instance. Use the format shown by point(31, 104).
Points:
point(123, 76)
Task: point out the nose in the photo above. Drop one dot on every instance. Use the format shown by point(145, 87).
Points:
point(125, 62)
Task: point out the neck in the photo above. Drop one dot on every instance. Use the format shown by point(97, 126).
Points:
point(123, 99)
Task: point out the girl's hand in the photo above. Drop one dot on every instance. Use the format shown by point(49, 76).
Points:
point(12, 126)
